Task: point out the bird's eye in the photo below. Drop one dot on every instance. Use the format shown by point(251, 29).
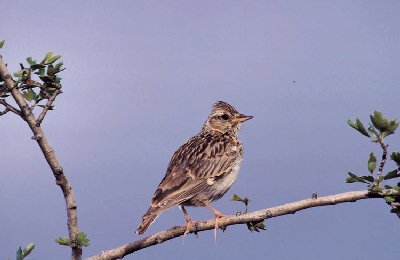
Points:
point(224, 117)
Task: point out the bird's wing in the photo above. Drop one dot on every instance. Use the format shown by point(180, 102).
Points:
point(193, 168)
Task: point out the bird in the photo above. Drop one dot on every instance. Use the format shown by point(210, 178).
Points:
point(203, 169)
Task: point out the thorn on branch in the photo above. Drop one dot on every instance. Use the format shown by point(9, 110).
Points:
point(314, 196)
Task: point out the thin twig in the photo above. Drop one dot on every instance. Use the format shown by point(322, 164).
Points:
point(48, 106)
point(48, 152)
point(384, 157)
point(257, 216)
point(9, 108)
point(29, 84)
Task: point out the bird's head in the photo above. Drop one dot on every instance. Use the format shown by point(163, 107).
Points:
point(224, 118)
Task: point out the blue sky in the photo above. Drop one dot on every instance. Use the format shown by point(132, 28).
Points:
point(141, 78)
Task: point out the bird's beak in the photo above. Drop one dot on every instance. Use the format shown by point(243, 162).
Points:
point(241, 118)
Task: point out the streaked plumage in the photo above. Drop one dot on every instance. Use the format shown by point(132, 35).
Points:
point(203, 169)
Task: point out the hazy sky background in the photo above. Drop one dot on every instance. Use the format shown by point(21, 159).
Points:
point(141, 78)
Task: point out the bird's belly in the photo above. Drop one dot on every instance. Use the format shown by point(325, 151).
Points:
point(222, 185)
point(216, 189)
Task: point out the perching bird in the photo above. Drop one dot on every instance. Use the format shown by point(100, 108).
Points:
point(203, 169)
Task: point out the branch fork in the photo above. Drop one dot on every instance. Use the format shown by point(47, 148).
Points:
point(25, 112)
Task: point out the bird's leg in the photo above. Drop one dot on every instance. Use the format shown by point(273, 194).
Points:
point(218, 215)
point(188, 222)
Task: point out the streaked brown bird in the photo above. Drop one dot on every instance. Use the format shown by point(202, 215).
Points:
point(203, 169)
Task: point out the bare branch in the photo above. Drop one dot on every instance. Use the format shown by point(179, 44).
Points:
point(9, 108)
point(48, 152)
point(384, 157)
point(48, 106)
point(289, 208)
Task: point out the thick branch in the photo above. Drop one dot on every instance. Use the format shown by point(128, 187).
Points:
point(289, 208)
point(51, 159)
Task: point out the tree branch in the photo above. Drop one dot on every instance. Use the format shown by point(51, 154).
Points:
point(257, 216)
point(9, 108)
point(48, 106)
point(384, 157)
point(51, 159)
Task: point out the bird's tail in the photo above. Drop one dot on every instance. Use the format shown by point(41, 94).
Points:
point(147, 220)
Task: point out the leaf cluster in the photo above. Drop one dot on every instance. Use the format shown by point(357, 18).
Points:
point(374, 183)
point(36, 91)
point(37, 81)
point(379, 128)
point(256, 226)
point(81, 240)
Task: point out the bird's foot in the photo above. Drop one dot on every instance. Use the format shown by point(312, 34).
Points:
point(217, 217)
point(189, 224)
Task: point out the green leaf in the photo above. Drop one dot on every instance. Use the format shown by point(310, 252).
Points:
point(28, 249)
point(397, 187)
point(391, 175)
point(389, 199)
point(236, 197)
point(82, 239)
point(20, 256)
point(393, 124)
point(354, 178)
point(41, 72)
point(57, 67)
point(2, 43)
point(358, 125)
point(48, 56)
point(245, 200)
point(378, 120)
point(53, 59)
point(371, 163)
point(368, 178)
point(30, 95)
point(64, 241)
point(395, 156)
point(30, 61)
point(18, 73)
